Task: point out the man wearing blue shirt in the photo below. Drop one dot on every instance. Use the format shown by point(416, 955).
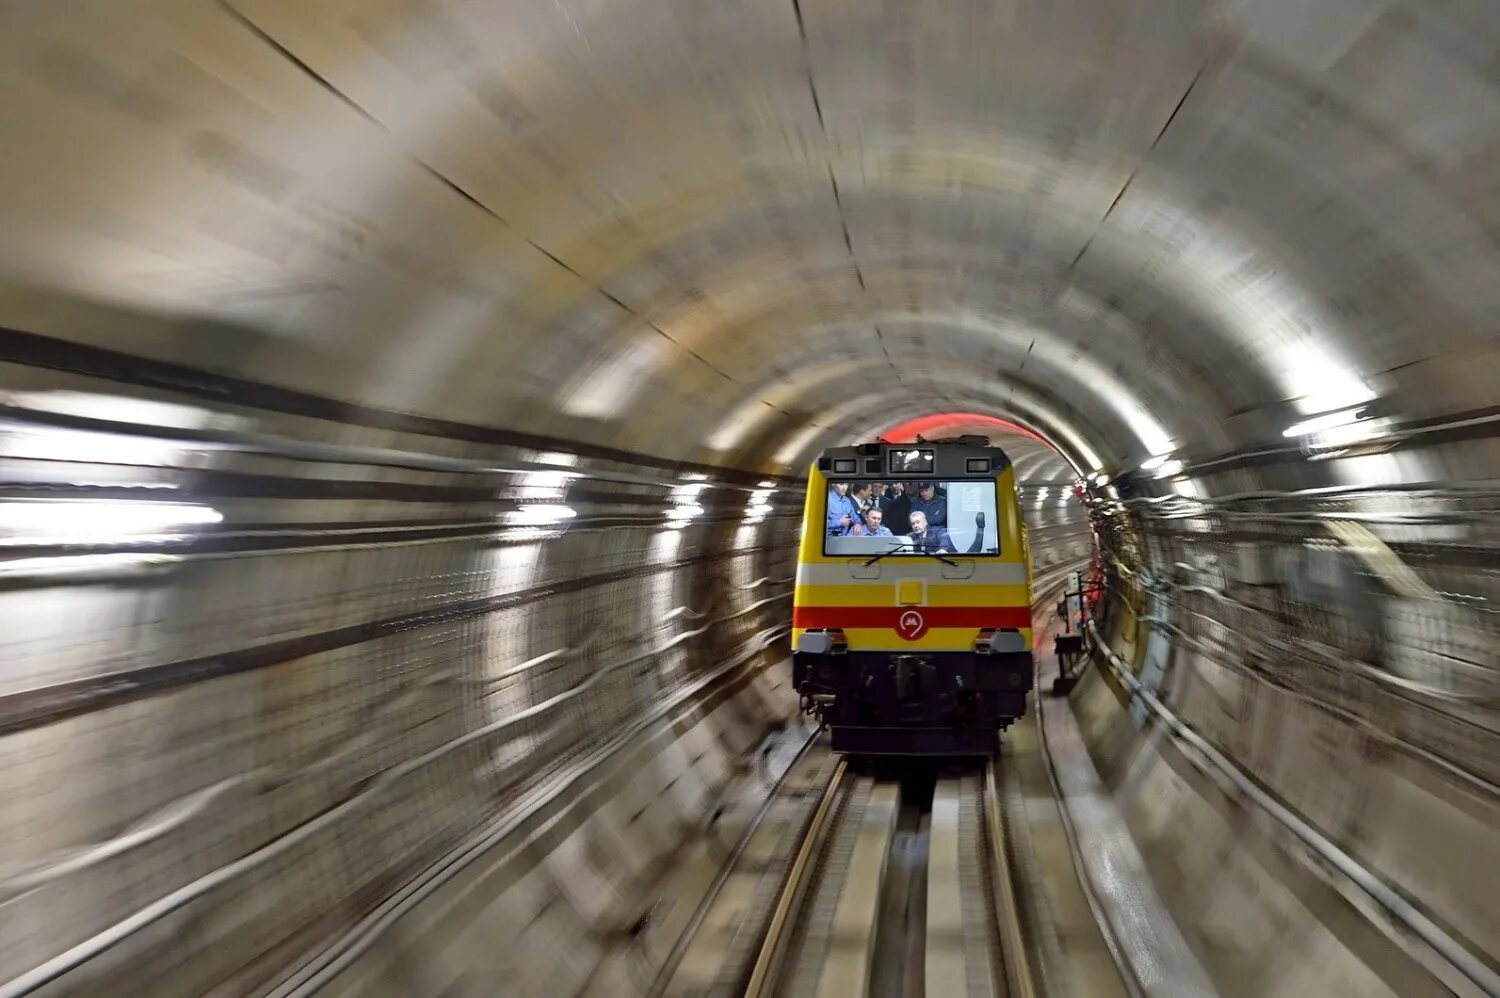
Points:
point(843, 514)
point(931, 505)
point(871, 526)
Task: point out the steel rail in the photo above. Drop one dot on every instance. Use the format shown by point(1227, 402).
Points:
point(690, 931)
point(763, 977)
point(1022, 983)
point(1017, 958)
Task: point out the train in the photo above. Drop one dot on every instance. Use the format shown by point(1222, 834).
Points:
point(911, 628)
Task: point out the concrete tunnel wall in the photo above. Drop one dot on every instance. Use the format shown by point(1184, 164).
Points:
point(1239, 885)
point(498, 233)
point(1345, 669)
point(277, 701)
point(288, 729)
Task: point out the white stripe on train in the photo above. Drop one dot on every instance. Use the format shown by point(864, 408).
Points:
point(898, 567)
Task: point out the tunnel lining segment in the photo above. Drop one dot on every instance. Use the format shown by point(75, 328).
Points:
point(343, 951)
point(285, 52)
point(52, 353)
point(359, 938)
point(1148, 947)
point(35, 708)
point(1455, 964)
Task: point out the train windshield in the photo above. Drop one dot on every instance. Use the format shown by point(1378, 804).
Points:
point(926, 517)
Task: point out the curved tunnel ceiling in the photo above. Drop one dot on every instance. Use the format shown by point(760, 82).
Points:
point(737, 233)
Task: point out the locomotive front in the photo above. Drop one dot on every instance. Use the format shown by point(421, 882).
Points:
point(912, 613)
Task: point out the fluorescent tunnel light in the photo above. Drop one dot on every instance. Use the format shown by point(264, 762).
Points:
point(538, 514)
point(98, 521)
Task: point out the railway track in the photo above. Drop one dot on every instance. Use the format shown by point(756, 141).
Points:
point(863, 881)
point(901, 887)
point(871, 879)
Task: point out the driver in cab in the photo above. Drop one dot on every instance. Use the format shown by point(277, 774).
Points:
point(931, 539)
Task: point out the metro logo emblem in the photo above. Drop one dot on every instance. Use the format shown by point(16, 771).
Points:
point(911, 626)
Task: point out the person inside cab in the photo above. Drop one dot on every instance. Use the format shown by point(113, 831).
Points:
point(843, 514)
point(863, 495)
point(871, 525)
point(928, 538)
point(931, 504)
point(896, 505)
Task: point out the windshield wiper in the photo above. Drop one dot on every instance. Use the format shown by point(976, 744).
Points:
point(912, 548)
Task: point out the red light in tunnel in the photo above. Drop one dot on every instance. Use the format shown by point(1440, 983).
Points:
point(939, 423)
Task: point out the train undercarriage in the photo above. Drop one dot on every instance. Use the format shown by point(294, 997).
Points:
point(935, 703)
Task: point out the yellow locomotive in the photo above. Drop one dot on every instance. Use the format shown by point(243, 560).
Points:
point(912, 613)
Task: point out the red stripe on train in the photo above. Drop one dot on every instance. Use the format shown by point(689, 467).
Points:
point(890, 616)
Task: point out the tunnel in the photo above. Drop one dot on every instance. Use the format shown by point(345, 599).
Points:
point(406, 414)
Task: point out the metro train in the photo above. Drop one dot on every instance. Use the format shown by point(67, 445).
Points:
point(911, 629)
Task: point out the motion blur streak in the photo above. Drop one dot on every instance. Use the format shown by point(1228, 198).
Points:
point(382, 378)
